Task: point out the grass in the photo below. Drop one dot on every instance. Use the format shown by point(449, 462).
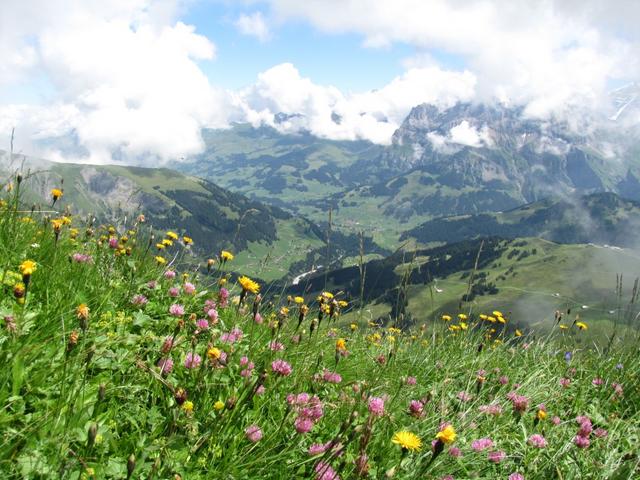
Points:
point(84, 394)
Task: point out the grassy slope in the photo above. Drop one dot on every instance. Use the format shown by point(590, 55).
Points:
point(292, 235)
point(556, 278)
point(91, 408)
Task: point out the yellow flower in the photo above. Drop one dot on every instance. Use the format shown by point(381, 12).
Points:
point(159, 246)
point(341, 345)
point(219, 405)
point(343, 303)
point(188, 406)
point(483, 316)
point(56, 193)
point(57, 224)
point(166, 242)
point(446, 318)
point(518, 333)
point(214, 353)
point(226, 256)
point(160, 260)
point(491, 319)
point(187, 240)
point(563, 327)
point(248, 284)
point(581, 325)
point(354, 327)
point(82, 311)
point(447, 434)
point(462, 316)
point(502, 320)
point(327, 295)
point(172, 235)
point(407, 440)
point(28, 267)
point(298, 300)
point(463, 326)
point(496, 313)
point(541, 414)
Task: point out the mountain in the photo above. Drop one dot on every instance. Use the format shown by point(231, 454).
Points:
point(529, 279)
point(294, 171)
point(464, 160)
point(213, 217)
point(603, 218)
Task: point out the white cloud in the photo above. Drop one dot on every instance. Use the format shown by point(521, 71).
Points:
point(372, 115)
point(461, 135)
point(127, 81)
point(125, 74)
point(253, 25)
point(548, 55)
point(468, 135)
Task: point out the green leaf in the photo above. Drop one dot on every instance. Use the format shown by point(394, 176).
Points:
point(17, 373)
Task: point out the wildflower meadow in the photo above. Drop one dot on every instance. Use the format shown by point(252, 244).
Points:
point(125, 357)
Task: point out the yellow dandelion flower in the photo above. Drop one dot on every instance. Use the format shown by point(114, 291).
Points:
point(160, 246)
point(341, 345)
point(446, 318)
point(298, 300)
point(463, 316)
point(563, 327)
point(581, 325)
point(248, 285)
point(160, 260)
point(57, 224)
point(496, 313)
point(343, 303)
point(502, 320)
point(214, 353)
point(219, 405)
point(226, 256)
point(353, 327)
point(447, 434)
point(172, 235)
point(187, 240)
point(82, 311)
point(518, 333)
point(166, 242)
point(28, 267)
point(463, 326)
point(327, 295)
point(541, 415)
point(187, 406)
point(407, 440)
point(56, 193)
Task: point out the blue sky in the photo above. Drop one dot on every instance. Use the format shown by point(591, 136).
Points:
point(338, 60)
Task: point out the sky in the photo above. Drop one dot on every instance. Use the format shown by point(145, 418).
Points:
point(137, 80)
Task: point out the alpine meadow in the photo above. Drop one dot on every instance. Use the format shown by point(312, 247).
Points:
point(337, 240)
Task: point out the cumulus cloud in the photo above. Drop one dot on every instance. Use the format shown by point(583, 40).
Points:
point(468, 135)
point(327, 112)
point(126, 78)
point(461, 135)
point(547, 55)
point(253, 25)
point(127, 83)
